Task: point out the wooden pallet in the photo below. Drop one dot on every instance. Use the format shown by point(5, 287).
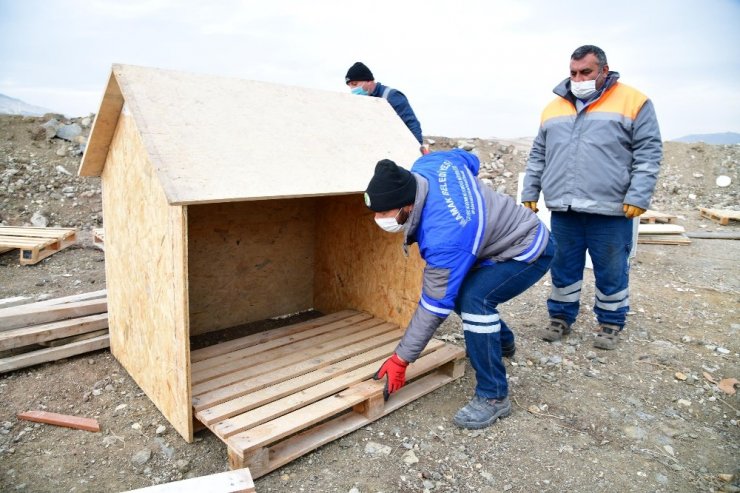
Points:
point(721, 216)
point(274, 396)
point(669, 239)
point(36, 244)
point(652, 217)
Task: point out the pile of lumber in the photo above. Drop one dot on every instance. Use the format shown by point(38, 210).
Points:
point(35, 244)
point(52, 329)
point(660, 229)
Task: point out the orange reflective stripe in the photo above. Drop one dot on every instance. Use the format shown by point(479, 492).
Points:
point(620, 99)
point(558, 107)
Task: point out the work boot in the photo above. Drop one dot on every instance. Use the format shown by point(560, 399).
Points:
point(508, 351)
point(555, 330)
point(481, 412)
point(608, 337)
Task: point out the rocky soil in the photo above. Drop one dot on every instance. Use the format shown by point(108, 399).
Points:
point(659, 414)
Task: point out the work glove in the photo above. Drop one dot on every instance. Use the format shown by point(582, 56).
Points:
point(632, 211)
point(395, 368)
point(531, 205)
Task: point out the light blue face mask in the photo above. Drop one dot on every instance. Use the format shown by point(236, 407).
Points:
point(360, 91)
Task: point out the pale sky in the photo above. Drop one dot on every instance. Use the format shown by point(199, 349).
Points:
point(478, 68)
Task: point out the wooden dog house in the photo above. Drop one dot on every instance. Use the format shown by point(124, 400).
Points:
point(228, 201)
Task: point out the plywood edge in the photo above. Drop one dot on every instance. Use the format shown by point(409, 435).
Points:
point(103, 129)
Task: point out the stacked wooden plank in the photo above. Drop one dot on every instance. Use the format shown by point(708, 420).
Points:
point(274, 396)
point(721, 216)
point(237, 481)
point(660, 229)
point(36, 244)
point(53, 329)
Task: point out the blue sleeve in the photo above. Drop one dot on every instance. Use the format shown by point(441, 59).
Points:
point(402, 107)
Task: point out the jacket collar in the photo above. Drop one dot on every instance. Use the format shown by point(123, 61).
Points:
point(422, 188)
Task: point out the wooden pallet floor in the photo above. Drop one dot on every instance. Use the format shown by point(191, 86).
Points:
point(36, 244)
point(652, 217)
point(274, 396)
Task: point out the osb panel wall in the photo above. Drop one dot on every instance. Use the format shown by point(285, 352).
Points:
point(146, 278)
point(360, 266)
point(249, 261)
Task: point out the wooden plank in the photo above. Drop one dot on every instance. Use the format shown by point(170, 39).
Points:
point(32, 314)
point(305, 391)
point(76, 422)
point(146, 276)
point(219, 395)
point(236, 481)
point(307, 416)
point(36, 232)
point(714, 235)
point(92, 295)
point(13, 301)
point(660, 229)
point(52, 354)
point(663, 239)
point(24, 336)
point(226, 351)
point(276, 351)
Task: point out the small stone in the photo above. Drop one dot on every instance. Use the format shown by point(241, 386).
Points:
point(722, 350)
point(136, 426)
point(409, 458)
point(142, 457)
point(680, 376)
point(120, 407)
point(183, 465)
point(669, 449)
point(684, 402)
point(160, 429)
point(507, 487)
point(374, 448)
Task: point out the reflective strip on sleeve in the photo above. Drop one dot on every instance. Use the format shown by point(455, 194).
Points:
point(442, 312)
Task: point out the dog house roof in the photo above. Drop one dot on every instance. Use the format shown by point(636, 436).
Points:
point(219, 139)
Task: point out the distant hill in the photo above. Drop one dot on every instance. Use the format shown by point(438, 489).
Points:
point(722, 138)
point(12, 106)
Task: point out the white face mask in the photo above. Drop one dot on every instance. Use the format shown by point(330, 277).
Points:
point(584, 89)
point(390, 224)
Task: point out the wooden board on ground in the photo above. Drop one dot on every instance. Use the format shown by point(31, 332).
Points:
point(668, 239)
point(76, 422)
point(721, 216)
point(36, 244)
point(652, 217)
point(236, 481)
point(273, 399)
point(660, 229)
point(24, 360)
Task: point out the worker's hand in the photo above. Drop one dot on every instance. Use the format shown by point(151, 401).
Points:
point(632, 211)
point(395, 368)
point(531, 205)
point(424, 150)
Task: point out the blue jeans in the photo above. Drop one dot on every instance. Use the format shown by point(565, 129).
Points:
point(609, 241)
point(481, 292)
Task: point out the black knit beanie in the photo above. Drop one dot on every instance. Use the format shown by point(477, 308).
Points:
point(358, 71)
point(391, 187)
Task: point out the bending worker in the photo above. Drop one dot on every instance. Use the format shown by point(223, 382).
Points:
point(481, 249)
point(596, 159)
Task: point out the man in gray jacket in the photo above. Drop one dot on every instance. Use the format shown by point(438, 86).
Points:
point(596, 160)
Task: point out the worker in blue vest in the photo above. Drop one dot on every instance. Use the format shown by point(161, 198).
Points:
point(360, 80)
